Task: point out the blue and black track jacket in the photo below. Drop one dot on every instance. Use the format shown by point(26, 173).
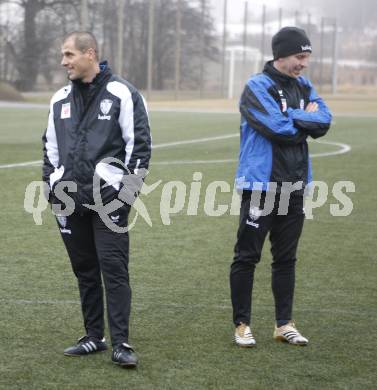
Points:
point(90, 122)
point(274, 128)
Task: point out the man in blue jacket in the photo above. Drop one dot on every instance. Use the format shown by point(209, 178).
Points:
point(279, 110)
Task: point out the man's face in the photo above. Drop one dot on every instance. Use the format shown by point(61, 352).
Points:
point(293, 65)
point(79, 65)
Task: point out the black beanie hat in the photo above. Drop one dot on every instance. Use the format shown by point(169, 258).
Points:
point(289, 41)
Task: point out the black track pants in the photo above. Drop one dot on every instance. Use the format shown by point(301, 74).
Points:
point(94, 249)
point(285, 231)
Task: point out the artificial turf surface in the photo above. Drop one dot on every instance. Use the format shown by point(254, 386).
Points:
point(181, 316)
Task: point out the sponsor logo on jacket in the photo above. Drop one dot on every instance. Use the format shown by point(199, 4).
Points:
point(254, 214)
point(105, 107)
point(66, 111)
point(283, 100)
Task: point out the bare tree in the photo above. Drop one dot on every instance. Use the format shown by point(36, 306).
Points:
point(34, 51)
point(36, 39)
point(136, 43)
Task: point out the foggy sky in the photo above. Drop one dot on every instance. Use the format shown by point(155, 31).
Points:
point(348, 12)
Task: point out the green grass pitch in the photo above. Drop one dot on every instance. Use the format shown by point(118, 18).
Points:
point(181, 317)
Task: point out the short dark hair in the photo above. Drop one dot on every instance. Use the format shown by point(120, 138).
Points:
point(84, 40)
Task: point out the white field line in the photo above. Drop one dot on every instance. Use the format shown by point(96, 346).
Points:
point(195, 141)
point(21, 105)
point(190, 162)
point(24, 164)
point(344, 148)
point(158, 146)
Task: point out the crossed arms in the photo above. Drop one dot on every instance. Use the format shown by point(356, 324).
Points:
point(262, 112)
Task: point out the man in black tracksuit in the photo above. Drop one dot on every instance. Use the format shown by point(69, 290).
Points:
point(279, 109)
point(97, 135)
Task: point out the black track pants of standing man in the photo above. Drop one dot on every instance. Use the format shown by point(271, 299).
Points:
point(285, 231)
point(93, 249)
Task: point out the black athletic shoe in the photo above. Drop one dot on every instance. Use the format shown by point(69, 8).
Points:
point(124, 355)
point(85, 346)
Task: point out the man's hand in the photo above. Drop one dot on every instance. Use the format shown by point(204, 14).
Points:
point(312, 107)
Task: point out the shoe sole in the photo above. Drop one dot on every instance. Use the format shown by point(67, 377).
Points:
point(126, 365)
point(245, 345)
point(284, 340)
point(86, 354)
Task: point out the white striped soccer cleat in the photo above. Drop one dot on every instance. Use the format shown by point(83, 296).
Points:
point(85, 346)
point(124, 355)
point(290, 334)
point(243, 336)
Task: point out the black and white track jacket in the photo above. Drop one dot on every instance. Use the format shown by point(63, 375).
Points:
point(87, 123)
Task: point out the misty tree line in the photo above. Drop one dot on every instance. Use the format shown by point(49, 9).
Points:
point(31, 33)
point(30, 43)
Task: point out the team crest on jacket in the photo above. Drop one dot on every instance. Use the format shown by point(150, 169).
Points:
point(105, 106)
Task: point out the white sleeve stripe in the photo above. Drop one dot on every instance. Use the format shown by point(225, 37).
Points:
point(126, 120)
point(52, 144)
point(126, 116)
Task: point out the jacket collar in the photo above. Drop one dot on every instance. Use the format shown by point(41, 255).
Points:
point(277, 76)
point(100, 77)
